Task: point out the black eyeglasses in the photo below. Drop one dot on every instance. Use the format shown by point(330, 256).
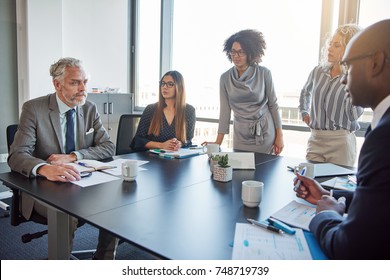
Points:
point(344, 65)
point(239, 53)
point(168, 84)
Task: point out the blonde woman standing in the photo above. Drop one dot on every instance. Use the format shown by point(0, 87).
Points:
point(326, 107)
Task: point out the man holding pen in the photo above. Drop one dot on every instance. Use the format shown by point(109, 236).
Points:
point(366, 69)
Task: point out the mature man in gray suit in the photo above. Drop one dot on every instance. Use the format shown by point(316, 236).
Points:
point(42, 146)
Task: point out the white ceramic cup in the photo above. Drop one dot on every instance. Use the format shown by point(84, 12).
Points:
point(129, 170)
point(252, 192)
point(211, 148)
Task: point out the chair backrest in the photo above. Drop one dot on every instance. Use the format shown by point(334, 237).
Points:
point(126, 130)
point(16, 215)
point(11, 130)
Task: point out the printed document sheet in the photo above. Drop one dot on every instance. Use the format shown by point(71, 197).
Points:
point(96, 178)
point(117, 171)
point(340, 184)
point(296, 214)
point(256, 243)
point(239, 160)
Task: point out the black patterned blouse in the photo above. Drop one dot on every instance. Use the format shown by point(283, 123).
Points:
point(167, 131)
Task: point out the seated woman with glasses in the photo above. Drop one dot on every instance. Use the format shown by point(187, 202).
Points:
point(168, 124)
point(326, 107)
point(247, 89)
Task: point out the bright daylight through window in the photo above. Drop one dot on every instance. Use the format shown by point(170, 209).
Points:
point(293, 38)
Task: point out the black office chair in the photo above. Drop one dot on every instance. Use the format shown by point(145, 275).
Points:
point(16, 214)
point(10, 132)
point(126, 130)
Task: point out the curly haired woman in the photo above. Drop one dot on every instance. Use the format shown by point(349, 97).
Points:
point(247, 89)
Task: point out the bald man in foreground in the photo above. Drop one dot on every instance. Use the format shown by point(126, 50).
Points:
point(363, 233)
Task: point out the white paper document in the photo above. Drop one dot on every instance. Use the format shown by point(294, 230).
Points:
point(97, 177)
point(340, 183)
point(117, 171)
point(255, 243)
point(239, 160)
point(329, 169)
point(296, 214)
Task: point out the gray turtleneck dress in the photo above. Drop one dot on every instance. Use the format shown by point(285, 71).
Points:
point(254, 104)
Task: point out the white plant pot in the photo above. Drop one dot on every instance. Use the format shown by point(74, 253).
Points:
point(213, 163)
point(222, 174)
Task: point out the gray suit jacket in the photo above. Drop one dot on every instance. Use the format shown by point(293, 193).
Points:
point(39, 136)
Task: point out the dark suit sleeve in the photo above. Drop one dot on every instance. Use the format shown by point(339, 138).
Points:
point(362, 234)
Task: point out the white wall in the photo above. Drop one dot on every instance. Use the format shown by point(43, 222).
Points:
point(44, 37)
point(95, 31)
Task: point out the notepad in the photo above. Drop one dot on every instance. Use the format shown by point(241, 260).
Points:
point(240, 160)
point(90, 165)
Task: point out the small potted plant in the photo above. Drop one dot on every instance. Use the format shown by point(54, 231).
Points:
point(213, 162)
point(223, 172)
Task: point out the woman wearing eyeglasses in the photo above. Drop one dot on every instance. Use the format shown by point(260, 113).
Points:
point(247, 89)
point(327, 108)
point(170, 123)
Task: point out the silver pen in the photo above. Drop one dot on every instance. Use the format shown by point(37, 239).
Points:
point(265, 225)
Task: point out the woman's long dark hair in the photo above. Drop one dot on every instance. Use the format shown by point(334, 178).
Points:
point(180, 108)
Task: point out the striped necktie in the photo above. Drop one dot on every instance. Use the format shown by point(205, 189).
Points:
point(69, 142)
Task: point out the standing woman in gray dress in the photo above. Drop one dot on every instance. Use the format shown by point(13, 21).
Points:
point(248, 90)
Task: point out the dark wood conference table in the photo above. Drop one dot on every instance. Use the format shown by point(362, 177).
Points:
point(173, 210)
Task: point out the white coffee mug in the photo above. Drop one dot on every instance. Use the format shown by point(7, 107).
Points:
point(252, 192)
point(129, 170)
point(211, 148)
